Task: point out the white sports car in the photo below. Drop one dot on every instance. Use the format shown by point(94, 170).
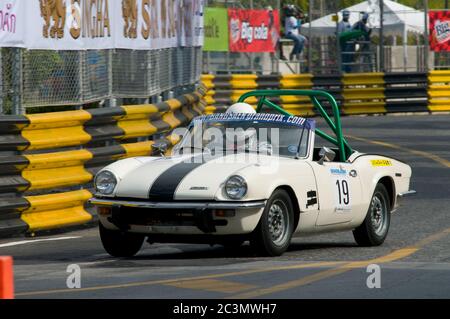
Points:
point(251, 176)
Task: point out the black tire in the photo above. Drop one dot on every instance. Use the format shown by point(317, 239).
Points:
point(267, 239)
point(371, 232)
point(120, 244)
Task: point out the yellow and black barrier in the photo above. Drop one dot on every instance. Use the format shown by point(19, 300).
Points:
point(46, 185)
point(359, 93)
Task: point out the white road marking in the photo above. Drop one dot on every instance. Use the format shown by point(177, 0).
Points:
point(23, 242)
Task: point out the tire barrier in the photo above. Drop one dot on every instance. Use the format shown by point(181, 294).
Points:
point(360, 93)
point(46, 184)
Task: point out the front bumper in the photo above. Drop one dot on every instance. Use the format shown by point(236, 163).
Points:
point(188, 217)
point(177, 204)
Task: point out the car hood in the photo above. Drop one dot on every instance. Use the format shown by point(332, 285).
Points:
point(181, 177)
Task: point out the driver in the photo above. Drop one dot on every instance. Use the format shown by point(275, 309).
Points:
point(244, 139)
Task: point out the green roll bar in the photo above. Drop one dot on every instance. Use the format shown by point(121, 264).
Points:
point(344, 148)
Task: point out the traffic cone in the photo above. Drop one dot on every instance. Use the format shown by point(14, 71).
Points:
point(6, 277)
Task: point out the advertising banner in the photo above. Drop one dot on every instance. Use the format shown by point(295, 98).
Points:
point(253, 30)
point(216, 29)
point(439, 31)
point(101, 24)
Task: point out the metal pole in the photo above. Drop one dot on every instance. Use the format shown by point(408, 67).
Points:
point(338, 44)
point(17, 108)
point(310, 5)
point(382, 66)
point(427, 44)
point(2, 87)
point(252, 55)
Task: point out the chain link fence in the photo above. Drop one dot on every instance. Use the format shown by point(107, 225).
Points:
point(34, 78)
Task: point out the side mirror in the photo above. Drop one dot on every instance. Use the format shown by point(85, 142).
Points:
point(159, 148)
point(326, 154)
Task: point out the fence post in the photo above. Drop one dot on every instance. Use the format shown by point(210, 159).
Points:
point(426, 42)
point(17, 75)
point(2, 87)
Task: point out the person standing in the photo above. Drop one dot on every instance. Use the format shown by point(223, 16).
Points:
point(347, 47)
point(364, 50)
point(292, 31)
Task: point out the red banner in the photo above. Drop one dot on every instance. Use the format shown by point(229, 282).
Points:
point(253, 30)
point(439, 30)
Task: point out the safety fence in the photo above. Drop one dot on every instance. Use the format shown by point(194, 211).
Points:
point(359, 93)
point(47, 182)
point(35, 78)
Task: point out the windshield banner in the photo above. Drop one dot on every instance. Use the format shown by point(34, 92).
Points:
point(259, 117)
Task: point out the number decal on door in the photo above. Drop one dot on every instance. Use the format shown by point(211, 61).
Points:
point(342, 194)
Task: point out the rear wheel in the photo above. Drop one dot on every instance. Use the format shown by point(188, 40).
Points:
point(373, 231)
point(273, 234)
point(120, 244)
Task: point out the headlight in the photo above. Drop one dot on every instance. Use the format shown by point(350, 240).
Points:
point(235, 187)
point(105, 182)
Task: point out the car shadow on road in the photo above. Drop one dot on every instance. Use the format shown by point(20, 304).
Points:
point(219, 255)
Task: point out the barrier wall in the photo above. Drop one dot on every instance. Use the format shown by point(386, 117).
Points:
point(47, 183)
point(361, 93)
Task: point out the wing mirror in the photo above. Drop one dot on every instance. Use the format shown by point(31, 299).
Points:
point(159, 148)
point(326, 154)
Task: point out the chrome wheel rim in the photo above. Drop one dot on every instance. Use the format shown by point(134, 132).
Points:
point(378, 214)
point(278, 221)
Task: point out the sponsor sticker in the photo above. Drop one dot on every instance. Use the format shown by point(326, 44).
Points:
point(338, 171)
point(381, 162)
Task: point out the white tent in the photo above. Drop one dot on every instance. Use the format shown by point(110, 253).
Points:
point(398, 19)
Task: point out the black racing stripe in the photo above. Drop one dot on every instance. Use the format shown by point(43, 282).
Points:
point(164, 187)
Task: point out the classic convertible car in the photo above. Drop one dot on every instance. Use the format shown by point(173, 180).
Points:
point(246, 175)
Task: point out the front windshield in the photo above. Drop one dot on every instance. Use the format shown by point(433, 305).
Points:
point(286, 136)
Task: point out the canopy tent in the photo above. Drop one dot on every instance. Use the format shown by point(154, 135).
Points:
point(398, 19)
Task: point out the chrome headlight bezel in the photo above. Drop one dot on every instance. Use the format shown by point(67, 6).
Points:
point(105, 183)
point(235, 187)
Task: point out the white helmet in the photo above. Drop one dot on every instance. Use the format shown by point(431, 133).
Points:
point(240, 136)
point(241, 108)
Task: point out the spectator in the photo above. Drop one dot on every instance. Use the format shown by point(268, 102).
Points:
point(348, 47)
point(364, 49)
point(361, 25)
point(291, 28)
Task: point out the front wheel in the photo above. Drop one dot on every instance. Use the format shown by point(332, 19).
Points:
point(374, 229)
point(273, 234)
point(120, 244)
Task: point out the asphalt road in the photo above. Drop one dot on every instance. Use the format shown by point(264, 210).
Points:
point(414, 261)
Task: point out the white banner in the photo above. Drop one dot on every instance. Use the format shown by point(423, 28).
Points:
point(101, 24)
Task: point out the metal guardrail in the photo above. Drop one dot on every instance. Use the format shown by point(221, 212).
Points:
point(356, 93)
point(61, 151)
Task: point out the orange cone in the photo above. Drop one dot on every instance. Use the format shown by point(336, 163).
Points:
point(6, 278)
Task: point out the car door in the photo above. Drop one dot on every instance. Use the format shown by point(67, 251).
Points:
point(339, 192)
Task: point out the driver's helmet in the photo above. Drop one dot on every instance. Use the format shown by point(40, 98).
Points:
point(241, 108)
point(242, 138)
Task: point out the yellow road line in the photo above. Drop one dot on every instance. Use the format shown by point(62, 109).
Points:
point(395, 255)
point(168, 281)
point(428, 155)
point(213, 285)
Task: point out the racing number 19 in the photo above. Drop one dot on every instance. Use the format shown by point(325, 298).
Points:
point(343, 194)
